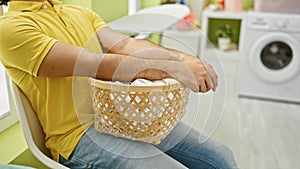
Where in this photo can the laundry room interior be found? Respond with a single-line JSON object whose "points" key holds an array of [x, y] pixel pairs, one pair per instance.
{"points": [[255, 110]]}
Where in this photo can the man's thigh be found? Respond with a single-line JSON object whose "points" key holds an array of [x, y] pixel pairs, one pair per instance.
{"points": [[184, 145], [96, 150]]}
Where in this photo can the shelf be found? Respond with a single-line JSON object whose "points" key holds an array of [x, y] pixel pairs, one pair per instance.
{"points": [[232, 55], [207, 49], [224, 14]]}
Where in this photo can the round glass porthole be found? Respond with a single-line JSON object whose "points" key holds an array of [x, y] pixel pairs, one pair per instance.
{"points": [[276, 55]]}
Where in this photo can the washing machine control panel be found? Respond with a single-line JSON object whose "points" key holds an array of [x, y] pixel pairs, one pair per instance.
{"points": [[268, 22], [281, 24]]}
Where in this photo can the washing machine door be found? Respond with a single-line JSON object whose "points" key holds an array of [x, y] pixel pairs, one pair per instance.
{"points": [[275, 58]]}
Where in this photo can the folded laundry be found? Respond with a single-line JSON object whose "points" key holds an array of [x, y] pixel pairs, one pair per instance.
{"points": [[146, 82]]}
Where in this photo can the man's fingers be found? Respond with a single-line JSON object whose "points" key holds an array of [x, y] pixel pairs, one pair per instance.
{"points": [[213, 76], [202, 86]]}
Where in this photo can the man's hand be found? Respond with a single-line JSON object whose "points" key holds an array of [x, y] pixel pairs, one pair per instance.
{"points": [[205, 77]]}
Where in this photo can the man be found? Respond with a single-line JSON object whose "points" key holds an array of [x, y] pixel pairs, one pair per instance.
{"points": [[50, 49]]}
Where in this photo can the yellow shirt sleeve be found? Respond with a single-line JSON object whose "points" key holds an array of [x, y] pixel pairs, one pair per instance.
{"points": [[25, 45], [97, 21]]}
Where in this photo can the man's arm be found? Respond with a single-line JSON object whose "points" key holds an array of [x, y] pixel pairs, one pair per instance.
{"points": [[69, 60], [115, 42]]}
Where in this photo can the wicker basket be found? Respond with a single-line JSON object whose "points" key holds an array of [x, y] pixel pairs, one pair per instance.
{"points": [[143, 113]]}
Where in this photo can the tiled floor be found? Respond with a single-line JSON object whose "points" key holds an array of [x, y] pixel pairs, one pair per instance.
{"points": [[262, 134]]}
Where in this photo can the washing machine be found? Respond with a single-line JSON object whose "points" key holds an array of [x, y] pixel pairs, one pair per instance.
{"points": [[270, 57]]}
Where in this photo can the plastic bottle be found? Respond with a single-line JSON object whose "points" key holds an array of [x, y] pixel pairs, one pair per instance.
{"points": [[235, 6]]}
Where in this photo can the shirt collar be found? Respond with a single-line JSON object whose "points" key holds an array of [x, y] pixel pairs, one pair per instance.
{"points": [[31, 6]]}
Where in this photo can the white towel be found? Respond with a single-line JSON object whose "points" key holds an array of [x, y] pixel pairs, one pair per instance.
{"points": [[145, 82]]}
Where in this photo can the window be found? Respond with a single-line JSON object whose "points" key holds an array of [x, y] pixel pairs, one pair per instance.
{"points": [[4, 103], [7, 116]]}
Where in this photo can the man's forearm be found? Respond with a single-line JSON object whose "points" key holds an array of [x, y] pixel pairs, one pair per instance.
{"points": [[145, 50], [118, 43], [126, 68]]}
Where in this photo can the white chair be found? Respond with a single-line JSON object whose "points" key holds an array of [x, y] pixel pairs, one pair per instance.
{"points": [[32, 129]]}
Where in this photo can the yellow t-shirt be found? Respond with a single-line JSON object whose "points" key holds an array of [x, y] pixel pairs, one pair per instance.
{"points": [[27, 33]]}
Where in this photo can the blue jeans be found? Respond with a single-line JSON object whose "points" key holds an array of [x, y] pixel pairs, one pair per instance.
{"points": [[180, 149]]}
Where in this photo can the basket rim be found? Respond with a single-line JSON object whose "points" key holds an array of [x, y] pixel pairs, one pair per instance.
{"points": [[127, 87]]}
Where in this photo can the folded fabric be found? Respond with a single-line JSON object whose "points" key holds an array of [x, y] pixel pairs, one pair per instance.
{"points": [[145, 82]]}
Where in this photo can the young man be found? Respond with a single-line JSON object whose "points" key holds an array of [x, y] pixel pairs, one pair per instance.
{"points": [[50, 49]]}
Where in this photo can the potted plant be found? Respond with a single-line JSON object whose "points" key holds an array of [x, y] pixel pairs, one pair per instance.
{"points": [[224, 34]]}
